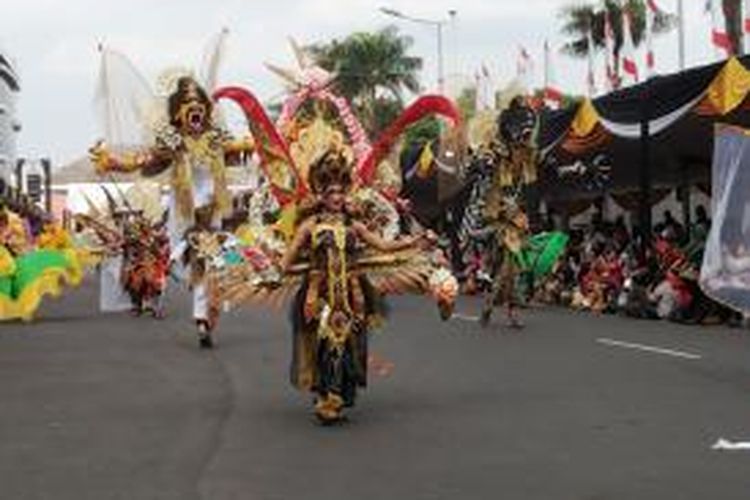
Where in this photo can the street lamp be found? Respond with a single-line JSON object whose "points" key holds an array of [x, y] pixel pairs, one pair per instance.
{"points": [[438, 25]]}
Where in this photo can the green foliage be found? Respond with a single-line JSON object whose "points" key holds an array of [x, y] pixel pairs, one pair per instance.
{"points": [[386, 110], [467, 103], [371, 66]]}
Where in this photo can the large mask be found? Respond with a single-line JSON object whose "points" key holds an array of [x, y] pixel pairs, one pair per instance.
{"points": [[190, 108], [517, 123]]}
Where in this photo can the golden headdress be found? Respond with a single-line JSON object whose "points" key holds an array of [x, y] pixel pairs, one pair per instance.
{"points": [[333, 168]]}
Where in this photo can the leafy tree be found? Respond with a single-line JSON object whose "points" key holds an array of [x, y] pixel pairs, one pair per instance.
{"points": [[371, 66], [467, 103]]}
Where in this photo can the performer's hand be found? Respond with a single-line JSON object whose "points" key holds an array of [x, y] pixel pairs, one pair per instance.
{"points": [[272, 284], [425, 240], [100, 158], [430, 236]]}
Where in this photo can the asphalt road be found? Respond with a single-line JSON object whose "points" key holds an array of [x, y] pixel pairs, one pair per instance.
{"points": [[573, 407]]}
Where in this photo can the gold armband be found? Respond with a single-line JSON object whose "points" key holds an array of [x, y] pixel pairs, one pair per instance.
{"points": [[246, 145]]}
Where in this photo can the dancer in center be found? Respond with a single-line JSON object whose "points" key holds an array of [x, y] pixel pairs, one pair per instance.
{"points": [[337, 302]]}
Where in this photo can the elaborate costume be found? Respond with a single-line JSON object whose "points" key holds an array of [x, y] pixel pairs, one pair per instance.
{"points": [[194, 150], [28, 274], [174, 135], [129, 241], [494, 224], [145, 251], [340, 269], [204, 250], [335, 263], [173, 130]]}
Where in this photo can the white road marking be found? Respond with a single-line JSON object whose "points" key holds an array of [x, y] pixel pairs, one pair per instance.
{"points": [[727, 445], [648, 348], [465, 317]]}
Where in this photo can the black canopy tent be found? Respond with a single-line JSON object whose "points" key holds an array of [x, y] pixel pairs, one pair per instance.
{"points": [[680, 109]]}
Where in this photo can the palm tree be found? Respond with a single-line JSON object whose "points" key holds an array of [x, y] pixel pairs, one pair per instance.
{"points": [[373, 70], [579, 19]]}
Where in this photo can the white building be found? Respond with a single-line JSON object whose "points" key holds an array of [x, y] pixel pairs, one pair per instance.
{"points": [[9, 124]]}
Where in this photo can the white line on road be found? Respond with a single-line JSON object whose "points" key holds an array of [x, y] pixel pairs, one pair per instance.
{"points": [[648, 348], [465, 317], [727, 445]]}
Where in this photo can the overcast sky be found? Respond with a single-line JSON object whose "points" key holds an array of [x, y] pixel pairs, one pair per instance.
{"points": [[53, 43]]}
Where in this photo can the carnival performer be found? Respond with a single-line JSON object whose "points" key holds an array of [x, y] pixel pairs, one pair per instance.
{"points": [[342, 269], [203, 249], [145, 250], [494, 224], [193, 148], [325, 180], [27, 273]]}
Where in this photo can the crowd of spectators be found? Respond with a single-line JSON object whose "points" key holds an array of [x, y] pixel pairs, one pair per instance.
{"points": [[608, 269]]}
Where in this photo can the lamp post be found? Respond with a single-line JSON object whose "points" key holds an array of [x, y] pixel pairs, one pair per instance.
{"points": [[681, 34], [438, 25]]}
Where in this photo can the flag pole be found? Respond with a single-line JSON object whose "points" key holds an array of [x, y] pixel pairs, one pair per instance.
{"points": [[681, 33]]}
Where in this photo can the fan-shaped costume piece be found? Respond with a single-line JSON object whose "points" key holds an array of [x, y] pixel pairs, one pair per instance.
{"points": [[28, 275]]}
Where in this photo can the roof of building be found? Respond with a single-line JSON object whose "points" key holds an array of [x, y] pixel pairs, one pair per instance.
{"points": [[8, 74]]}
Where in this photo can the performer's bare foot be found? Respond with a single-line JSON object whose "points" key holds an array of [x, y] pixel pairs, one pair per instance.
{"points": [[328, 409], [205, 341], [514, 321], [484, 317]]}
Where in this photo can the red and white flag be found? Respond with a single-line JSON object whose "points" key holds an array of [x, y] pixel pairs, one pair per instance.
{"points": [[609, 52], [553, 96], [652, 10], [719, 36], [629, 63]]}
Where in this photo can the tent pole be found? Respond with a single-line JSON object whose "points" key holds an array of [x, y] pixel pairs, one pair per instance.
{"points": [[645, 168], [47, 167], [685, 182]]}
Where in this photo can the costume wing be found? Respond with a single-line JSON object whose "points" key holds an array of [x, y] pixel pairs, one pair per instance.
{"points": [[421, 108], [278, 165], [396, 273], [244, 284], [213, 55], [125, 103]]}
